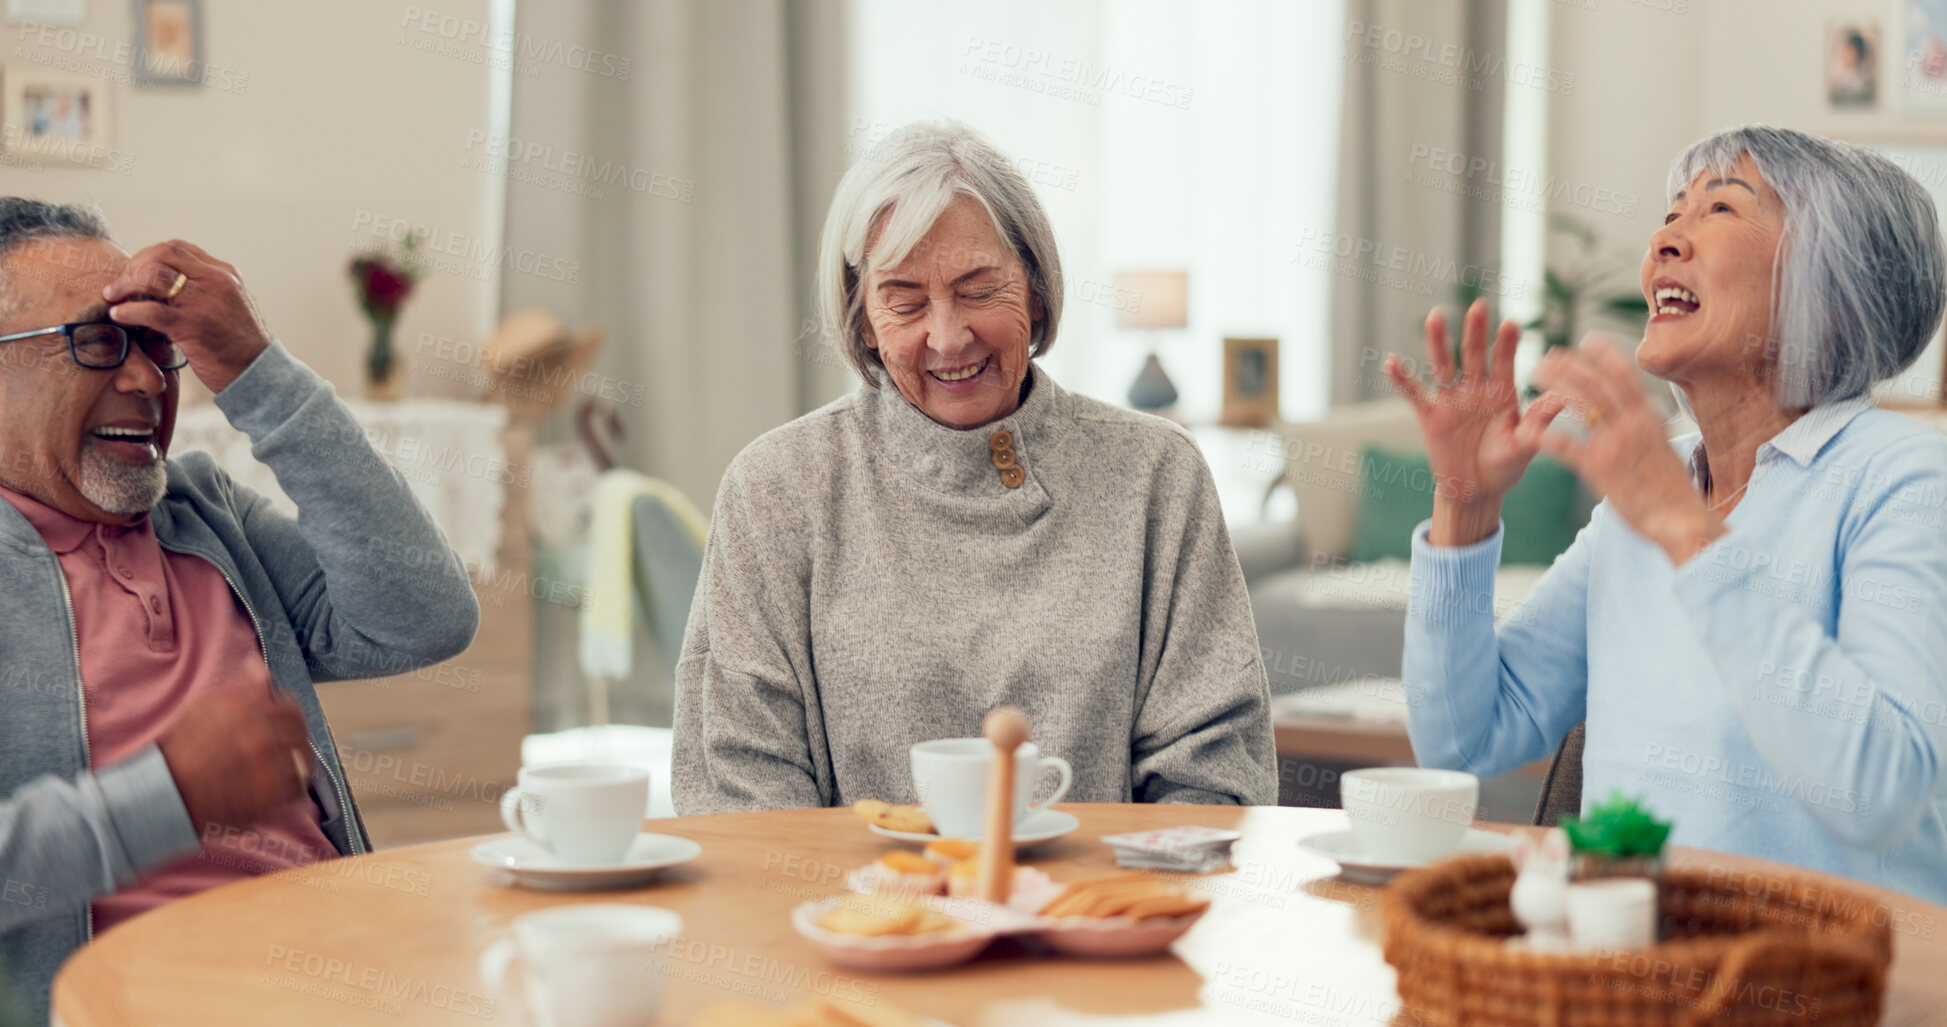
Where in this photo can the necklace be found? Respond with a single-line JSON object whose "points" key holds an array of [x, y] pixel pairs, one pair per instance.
{"points": [[1734, 495]]}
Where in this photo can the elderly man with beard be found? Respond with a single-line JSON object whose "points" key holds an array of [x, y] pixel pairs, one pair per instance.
{"points": [[161, 628]]}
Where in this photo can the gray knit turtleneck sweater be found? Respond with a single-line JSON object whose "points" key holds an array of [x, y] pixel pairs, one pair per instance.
{"points": [[870, 582]]}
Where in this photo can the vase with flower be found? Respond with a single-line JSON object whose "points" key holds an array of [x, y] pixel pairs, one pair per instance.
{"points": [[383, 280]]}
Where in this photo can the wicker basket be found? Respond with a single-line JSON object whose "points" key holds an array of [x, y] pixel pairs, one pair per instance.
{"points": [[1796, 952]]}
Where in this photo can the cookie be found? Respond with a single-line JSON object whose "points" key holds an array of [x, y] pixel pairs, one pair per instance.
{"points": [[906, 819], [952, 850], [875, 916], [1135, 894]]}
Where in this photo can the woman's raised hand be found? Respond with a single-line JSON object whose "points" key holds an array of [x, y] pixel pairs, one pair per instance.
{"points": [[1627, 458], [1470, 418]]}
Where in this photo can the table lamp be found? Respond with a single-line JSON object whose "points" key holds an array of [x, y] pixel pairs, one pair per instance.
{"points": [[1152, 301]]}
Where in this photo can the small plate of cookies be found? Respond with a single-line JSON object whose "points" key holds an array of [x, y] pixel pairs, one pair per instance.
{"points": [[909, 823], [1124, 914], [891, 931], [1116, 915]]}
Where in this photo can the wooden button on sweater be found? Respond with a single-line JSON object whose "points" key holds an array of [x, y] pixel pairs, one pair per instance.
{"points": [[1004, 459], [1012, 477], [1002, 439]]}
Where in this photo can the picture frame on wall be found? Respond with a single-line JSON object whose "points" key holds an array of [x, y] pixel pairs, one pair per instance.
{"points": [[168, 42], [1921, 74], [1250, 383], [1852, 65], [56, 117]]}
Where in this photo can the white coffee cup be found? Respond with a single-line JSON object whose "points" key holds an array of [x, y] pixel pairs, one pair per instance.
{"points": [[598, 965], [951, 777], [1409, 814], [1613, 913], [582, 813]]}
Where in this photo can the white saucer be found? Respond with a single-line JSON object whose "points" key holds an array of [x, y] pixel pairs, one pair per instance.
{"points": [[1040, 826], [1343, 848], [534, 867]]}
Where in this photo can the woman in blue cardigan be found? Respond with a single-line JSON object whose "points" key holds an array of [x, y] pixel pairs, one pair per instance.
{"points": [[1754, 623]]}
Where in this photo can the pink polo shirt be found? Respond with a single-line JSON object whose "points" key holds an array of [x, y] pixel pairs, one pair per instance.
{"points": [[160, 631]]}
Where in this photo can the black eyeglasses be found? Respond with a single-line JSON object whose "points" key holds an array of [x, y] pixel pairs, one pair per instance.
{"points": [[103, 345]]}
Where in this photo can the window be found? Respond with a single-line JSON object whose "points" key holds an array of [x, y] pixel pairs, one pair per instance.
{"points": [[1160, 135]]}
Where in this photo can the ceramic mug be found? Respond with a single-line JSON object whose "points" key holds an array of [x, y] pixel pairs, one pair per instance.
{"points": [[598, 965], [585, 814], [1409, 814], [950, 775]]}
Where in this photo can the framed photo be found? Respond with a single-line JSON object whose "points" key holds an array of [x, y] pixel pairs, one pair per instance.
{"points": [[168, 42], [1922, 70], [1852, 65], [1250, 383], [51, 116]]}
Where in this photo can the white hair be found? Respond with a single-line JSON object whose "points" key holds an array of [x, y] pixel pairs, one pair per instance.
{"points": [[1861, 277], [900, 189]]}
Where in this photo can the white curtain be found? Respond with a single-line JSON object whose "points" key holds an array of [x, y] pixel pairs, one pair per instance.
{"points": [[1423, 82], [715, 155]]}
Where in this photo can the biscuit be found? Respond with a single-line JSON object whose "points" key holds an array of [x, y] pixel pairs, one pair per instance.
{"points": [[906, 819], [952, 850], [1136, 894], [904, 862], [875, 916], [1166, 905]]}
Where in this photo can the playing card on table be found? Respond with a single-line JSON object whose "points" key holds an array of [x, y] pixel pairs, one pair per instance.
{"points": [[1134, 861], [1196, 849]]}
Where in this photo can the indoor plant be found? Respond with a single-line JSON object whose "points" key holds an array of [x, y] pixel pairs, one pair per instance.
{"points": [[1617, 838]]}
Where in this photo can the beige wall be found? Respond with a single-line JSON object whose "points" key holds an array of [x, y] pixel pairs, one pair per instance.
{"points": [[337, 121], [1635, 103]]}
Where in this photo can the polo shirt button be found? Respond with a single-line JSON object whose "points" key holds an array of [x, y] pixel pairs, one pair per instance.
{"points": [[1000, 440], [125, 572], [1012, 477], [1004, 459], [155, 604]]}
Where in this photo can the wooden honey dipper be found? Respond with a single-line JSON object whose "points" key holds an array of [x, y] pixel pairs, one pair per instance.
{"points": [[1007, 728]]}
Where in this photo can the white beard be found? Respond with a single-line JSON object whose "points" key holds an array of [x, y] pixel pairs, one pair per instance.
{"points": [[118, 486]]}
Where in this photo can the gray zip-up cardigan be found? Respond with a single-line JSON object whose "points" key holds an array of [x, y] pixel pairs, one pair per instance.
{"points": [[361, 584]]}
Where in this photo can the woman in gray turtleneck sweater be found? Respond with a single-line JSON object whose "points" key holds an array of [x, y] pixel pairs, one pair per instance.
{"points": [[887, 569]]}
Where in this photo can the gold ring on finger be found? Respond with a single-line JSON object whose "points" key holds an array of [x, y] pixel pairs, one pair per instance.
{"points": [[1595, 416], [176, 288]]}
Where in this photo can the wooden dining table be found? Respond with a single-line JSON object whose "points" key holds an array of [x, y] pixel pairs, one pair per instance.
{"points": [[396, 936]]}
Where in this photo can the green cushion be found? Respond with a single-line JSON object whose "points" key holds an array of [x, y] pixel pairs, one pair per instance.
{"points": [[1396, 494]]}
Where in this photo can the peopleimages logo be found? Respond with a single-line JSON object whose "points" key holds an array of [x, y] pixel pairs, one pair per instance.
{"points": [[1422, 56], [1034, 63], [467, 256], [524, 49], [511, 156], [1398, 266], [1523, 181], [60, 149]]}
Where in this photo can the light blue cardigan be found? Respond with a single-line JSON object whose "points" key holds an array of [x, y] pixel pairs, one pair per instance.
{"points": [[1781, 695]]}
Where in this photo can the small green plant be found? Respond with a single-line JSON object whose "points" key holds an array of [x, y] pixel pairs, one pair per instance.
{"points": [[1619, 827]]}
